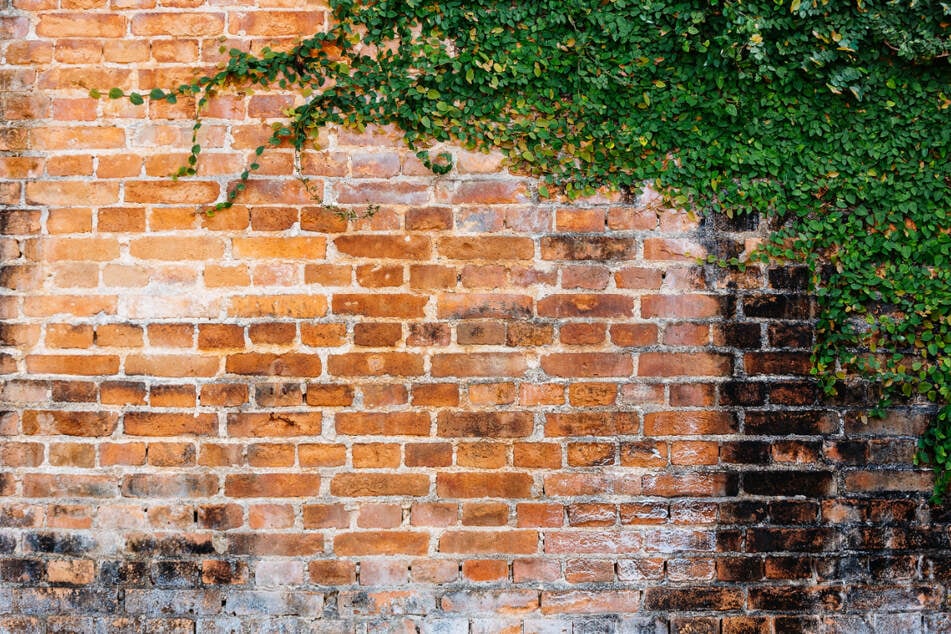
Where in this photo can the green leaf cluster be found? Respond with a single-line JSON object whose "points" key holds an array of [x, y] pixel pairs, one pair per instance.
{"points": [[831, 117]]}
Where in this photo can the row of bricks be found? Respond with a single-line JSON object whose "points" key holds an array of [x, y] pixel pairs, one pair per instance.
{"points": [[89, 22], [453, 424], [364, 455], [850, 546], [913, 622], [866, 519], [471, 332], [794, 598], [91, 275], [399, 571], [411, 364], [413, 247], [429, 219], [474, 484], [814, 551]]}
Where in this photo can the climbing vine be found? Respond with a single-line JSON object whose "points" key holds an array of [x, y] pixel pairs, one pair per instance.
{"points": [[831, 116]]}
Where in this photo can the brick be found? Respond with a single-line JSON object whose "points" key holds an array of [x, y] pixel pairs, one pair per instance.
{"points": [[169, 486], [591, 424], [322, 335], [274, 23], [277, 306], [481, 455], [683, 364], [172, 365], [400, 247], [156, 424], [271, 485], [385, 424], [478, 364], [377, 276], [178, 23], [285, 248], [171, 192], [681, 306], [381, 305], [483, 306], [482, 570], [493, 248], [522, 542], [279, 424], [689, 423], [428, 455], [288, 364], [587, 364], [375, 364], [474, 484], [381, 543], [89, 364], [590, 602], [332, 572], [375, 455], [587, 305], [176, 248], [484, 424], [371, 484], [89, 424], [600, 248]]}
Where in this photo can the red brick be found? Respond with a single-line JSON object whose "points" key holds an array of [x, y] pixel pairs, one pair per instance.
{"points": [[381, 543], [683, 364], [375, 455], [372, 484], [484, 424], [288, 364], [590, 602], [587, 364], [479, 364], [400, 247], [586, 306], [277, 306], [689, 423], [428, 455], [379, 305], [493, 248], [89, 364], [681, 306], [482, 305], [156, 424], [285, 248], [280, 424], [322, 455], [271, 23], [482, 485], [522, 542], [268, 485], [375, 364], [178, 23], [388, 424]]}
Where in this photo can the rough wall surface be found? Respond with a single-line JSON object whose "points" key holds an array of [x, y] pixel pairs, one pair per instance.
{"points": [[473, 412]]}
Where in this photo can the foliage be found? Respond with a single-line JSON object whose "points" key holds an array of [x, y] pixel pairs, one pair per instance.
{"points": [[830, 116]]}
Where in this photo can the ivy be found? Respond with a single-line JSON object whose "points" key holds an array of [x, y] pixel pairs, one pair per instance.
{"points": [[831, 117]]}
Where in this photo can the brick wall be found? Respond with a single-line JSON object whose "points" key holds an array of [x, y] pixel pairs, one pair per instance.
{"points": [[473, 412]]}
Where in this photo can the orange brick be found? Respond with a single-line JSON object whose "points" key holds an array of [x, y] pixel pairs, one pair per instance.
{"points": [[276, 306], [155, 424], [90, 364], [176, 248], [69, 335], [280, 248], [178, 23], [270, 23], [62, 25]]}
